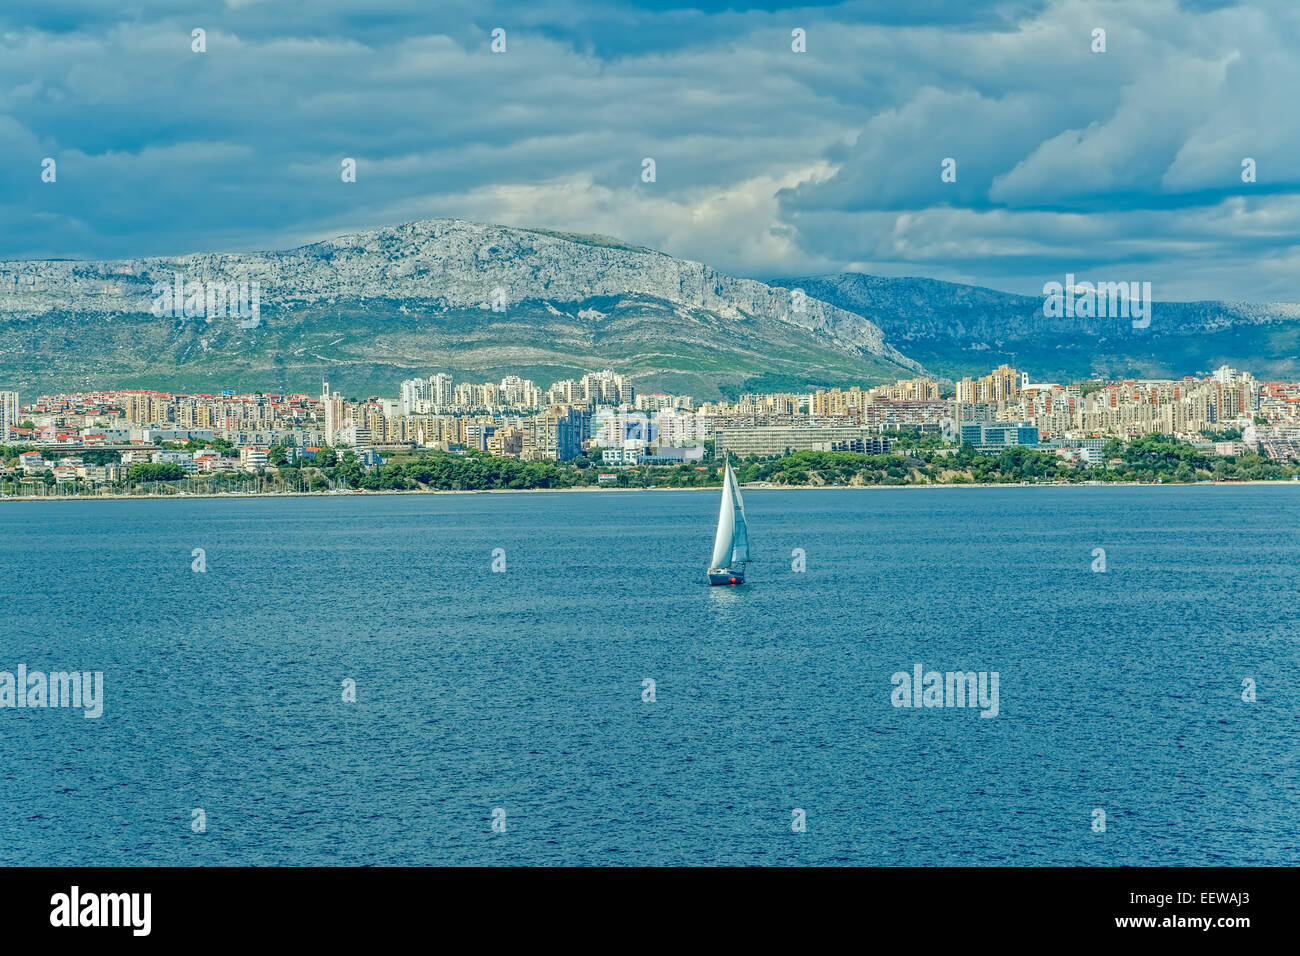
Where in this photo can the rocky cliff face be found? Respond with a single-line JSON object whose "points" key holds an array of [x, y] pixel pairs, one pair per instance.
{"points": [[448, 266], [369, 309], [957, 329], [916, 309]]}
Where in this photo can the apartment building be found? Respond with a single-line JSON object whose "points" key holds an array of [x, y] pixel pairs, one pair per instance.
{"points": [[8, 413]]}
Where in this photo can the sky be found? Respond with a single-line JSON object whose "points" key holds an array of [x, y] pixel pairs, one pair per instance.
{"points": [[1122, 165]]}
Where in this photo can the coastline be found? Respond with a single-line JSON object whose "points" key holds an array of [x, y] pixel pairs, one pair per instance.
{"points": [[758, 486]]}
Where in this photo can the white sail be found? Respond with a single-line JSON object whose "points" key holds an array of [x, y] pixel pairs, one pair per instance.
{"points": [[723, 543], [740, 535]]}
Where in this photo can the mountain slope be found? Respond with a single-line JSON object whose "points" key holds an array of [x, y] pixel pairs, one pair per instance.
{"points": [[957, 330], [370, 309]]}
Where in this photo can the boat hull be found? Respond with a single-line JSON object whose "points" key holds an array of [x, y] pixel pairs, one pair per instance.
{"points": [[726, 577]]}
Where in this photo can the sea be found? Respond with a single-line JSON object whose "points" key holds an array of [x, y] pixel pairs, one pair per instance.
{"points": [[547, 678]]}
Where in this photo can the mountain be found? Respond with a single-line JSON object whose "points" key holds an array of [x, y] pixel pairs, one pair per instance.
{"points": [[370, 309], [957, 330]]}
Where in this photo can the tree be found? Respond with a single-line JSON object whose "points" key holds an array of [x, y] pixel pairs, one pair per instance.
{"points": [[160, 471]]}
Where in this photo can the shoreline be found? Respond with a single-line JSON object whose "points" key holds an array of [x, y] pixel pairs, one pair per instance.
{"points": [[761, 486]]}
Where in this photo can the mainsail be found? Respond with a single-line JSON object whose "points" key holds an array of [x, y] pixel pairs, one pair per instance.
{"points": [[731, 545], [740, 538], [726, 525]]}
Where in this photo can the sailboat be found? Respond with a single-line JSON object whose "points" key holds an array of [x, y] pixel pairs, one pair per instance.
{"points": [[731, 545]]}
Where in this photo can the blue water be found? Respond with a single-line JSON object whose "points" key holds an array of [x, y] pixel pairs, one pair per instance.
{"points": [[522, 690]]}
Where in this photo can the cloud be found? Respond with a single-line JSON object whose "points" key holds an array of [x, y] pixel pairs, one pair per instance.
{"points": [[768, 162], [1128, 160]]}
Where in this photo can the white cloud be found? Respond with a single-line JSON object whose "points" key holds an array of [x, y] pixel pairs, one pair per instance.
{"points": [[769, 162]]}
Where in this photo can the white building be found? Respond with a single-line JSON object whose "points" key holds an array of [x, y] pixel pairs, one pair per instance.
{"points": [[683, 427], [611, 426], [183, 458], [32, 463], [8, 413], [252, 458], [441, 385], [417, 396], [334, 413], [520, 392]]}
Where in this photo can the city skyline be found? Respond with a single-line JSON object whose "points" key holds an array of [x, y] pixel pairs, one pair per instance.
{"points": [[516, 418]]}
